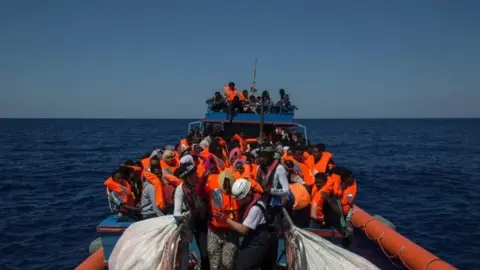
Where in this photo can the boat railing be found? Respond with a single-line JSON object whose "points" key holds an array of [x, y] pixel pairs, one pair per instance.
{"points": [[268, 109], [298, 242], [173, 249]]}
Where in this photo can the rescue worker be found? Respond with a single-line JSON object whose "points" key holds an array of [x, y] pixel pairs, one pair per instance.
{"points": [[186, 198], [259, 247], [153, 201], [120, 197], [222, 242]]}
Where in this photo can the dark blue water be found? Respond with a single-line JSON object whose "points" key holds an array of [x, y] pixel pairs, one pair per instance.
{"points": [[423, 175]]}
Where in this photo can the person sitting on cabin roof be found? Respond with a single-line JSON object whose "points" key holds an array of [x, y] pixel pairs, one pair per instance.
{"points": [[218, 102], [253, 104], [284, 103], [230, 91]]}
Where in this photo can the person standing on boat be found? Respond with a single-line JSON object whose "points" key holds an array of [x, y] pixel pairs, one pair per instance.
{"points": [[259, 247], [222, 242], [185, 198], [120, 197]]}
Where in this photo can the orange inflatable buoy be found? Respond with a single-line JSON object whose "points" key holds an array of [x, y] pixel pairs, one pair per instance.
{"points": [[395, 245], [94, 262]]}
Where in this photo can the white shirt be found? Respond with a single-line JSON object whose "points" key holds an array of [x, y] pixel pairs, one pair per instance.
{"points": [[255, 217]]}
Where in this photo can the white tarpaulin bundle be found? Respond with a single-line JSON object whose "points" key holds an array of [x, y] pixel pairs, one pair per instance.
{"points": [[144, 245], [323, 254]]}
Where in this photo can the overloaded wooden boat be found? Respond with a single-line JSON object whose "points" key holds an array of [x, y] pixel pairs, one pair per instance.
{"points": [[374, 238]]}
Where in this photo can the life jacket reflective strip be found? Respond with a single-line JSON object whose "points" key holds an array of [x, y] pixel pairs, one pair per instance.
{"points": [[322, 164], [124, 190], [300, 193], [348, 197], [158, 187]]}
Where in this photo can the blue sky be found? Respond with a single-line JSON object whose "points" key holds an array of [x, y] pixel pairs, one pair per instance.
{"points": [[162, 59]]}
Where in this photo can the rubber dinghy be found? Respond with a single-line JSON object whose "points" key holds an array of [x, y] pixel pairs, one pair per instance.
{"points": [[155, 244]]}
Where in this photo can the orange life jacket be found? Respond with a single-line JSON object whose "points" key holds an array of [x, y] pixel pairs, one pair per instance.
{"points": [[348, 197], [167, 168], [229, 94], [254, 184], [334, 184], [242, 144], [242, 97], [306, 173], [220, 202], [300, 193], [124, 190], [158, 186], [183, 145], [322, 164], [316, 205], [146, 163]]}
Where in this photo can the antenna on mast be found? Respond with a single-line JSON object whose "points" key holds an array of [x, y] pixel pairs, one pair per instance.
{"points": [[262, 113], [253, 89]]}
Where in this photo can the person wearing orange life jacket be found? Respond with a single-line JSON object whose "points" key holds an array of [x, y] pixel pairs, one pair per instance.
{"points": [[259, 247], [321, 160], [240, 139], [221, 241], [120, 197], [146, 161], [239, 172], [305, 170], [214, 158], [244, 96], [230, 91], [319, 191], [348, 186], [153, 202]]}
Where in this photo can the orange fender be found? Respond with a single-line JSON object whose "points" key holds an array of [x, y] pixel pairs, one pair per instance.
{"points": [[395, 245], [93, 262]]}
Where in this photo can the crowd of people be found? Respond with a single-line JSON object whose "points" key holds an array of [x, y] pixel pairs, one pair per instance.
{"points": [[227, 188], [241, 102]]}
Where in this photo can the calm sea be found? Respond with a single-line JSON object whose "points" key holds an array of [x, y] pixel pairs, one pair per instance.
{"points": [[423, 175]]}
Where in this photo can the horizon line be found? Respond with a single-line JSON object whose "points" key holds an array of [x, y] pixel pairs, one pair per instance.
{"points": [[193, 118]]}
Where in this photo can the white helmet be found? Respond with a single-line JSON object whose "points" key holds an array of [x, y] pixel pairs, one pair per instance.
{"points": [[240, 188]]}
